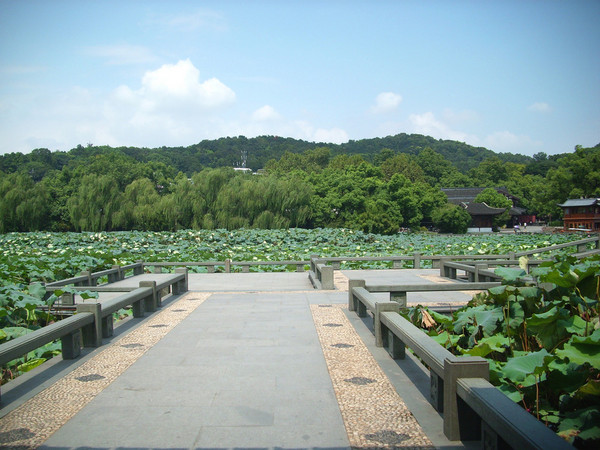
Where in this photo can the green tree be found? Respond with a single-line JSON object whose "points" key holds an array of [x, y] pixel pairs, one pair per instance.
{"points": [[493, 198], [93, 206], [139, 208], [23, 204], [451, 218], [438, 171], [402, 164]]}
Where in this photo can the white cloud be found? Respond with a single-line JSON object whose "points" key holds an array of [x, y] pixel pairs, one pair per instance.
{"points": [[171, 106], [540, 107], [200, 19], [180, 83], [122, 54], [332, 135], [427, 124], [265, 113], [21, 70], [499, 141], [386, 102], [460, 117], [298, 129], [505, 141]]}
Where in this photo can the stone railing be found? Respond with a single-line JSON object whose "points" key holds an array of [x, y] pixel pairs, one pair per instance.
{"points": [[398, 293], [321, 275], [93, 321], [227, 265], [116, 273], [472, 408]]}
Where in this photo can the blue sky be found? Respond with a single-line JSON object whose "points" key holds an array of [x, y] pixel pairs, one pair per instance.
{"points": [[512, 76]]}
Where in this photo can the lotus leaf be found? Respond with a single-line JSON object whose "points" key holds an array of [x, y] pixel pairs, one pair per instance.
{"points": [[509, 273], [488, 320], [584, 423], [547, 327], [519, 368], [31, 364], [446, 339], [582, 350], [485, 346]]}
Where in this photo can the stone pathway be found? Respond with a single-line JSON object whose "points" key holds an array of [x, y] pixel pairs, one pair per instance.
{"points": [[28, 426], [374, 414], [253, 355]]}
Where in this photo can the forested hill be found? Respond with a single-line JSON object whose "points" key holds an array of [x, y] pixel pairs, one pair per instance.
{"points": [[374, 185], [229, 151]]}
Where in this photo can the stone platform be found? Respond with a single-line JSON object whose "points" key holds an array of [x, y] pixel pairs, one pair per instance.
{"points": [[249, 360]]}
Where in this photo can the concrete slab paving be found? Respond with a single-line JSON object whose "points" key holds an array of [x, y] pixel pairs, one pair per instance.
{"points": [[249, 282], [413, 276], [245, 369], [234, 374]]}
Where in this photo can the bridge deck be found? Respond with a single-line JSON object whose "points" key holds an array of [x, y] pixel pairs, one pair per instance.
{"points": [[240, 361]]}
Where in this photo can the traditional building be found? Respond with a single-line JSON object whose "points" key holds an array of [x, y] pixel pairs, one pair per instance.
{"points": [[466, 196], [482, 216], [581, 214]]}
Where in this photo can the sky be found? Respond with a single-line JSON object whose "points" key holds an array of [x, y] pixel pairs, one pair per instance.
{"points": [[513, 76]]}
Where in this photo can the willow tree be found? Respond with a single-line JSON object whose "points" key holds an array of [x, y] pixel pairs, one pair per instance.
{"points": [[23, 204], [95, 202]]}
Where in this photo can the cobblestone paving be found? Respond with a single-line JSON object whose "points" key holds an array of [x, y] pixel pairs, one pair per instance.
{"points": [[374, 414], [36, 420]]}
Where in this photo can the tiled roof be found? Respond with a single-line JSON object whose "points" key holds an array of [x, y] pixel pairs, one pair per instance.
{"points": [[466, 195], [481, 209], [580, 202], [460, 195]]}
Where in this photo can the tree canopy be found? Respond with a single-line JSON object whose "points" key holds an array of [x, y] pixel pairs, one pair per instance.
{"points": [[377, 185]]}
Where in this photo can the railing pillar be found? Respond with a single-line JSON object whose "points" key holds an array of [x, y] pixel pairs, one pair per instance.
{"points": [[92, 333], [228, 266], [478, 267], [139, 269], [313, 263], [393, 344], [139, 307], [157, 269], [154, 302], [400, 297], [181, 286], [326, 276], [90, 281], [454, 368], [443, 268], [352, 302], [114, 277], [436, 391], [417, 261], [108, 326], [71, 345], [67, 299], [379, 308]]}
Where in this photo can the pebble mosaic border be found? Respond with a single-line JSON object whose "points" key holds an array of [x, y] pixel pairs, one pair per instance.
{"points": [[31, 424], [374, 414]]}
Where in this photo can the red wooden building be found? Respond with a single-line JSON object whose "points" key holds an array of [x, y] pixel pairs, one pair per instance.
{"points": [[581, 214]]}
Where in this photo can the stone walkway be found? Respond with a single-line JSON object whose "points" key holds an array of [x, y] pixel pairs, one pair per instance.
{"points": [[277, 369]]}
